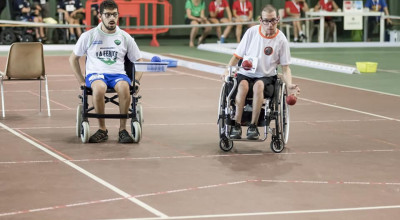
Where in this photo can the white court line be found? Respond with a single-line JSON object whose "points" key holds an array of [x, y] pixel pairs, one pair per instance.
{"points": [[86, 173], [353, 110], [272, 213]]}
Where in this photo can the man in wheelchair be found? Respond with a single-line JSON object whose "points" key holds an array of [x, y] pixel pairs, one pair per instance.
{"points": [[266, 47], [105, 47]]}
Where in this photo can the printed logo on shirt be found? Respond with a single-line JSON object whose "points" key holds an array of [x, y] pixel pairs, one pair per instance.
{"points": [[268, 51], [108, 57], [97, 42], [117, 42]]}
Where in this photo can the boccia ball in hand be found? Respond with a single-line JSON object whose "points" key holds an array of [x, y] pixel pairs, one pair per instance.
{"points": [[156, 59], [247, 65], [291, 99]]}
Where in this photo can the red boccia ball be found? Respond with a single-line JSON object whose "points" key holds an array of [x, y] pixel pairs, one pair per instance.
{"points": [[247, 65], [291, 100]]}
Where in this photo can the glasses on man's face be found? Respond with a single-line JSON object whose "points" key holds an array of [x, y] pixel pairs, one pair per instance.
{"points": [[272, 21], [108, 15]]}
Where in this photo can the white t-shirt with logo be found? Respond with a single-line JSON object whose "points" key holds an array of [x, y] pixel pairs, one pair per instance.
{"points": [[106, 52], [269, 51]]}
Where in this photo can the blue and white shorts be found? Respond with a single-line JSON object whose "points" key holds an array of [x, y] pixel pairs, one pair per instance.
{"points": [[109, 79]]}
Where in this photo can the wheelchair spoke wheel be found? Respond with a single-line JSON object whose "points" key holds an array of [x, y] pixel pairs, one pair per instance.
{"points": [[136, 131], [85, 132], [277, 145], [8, 36], [284, 116], [222, 111], [225, 144], [139, 113], [79, 120]]}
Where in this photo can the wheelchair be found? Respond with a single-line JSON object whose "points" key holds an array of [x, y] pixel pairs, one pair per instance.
{"points": [[274, 109], [135, 113]]}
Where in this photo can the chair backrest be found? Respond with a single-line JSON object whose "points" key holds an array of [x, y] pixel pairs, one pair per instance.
{"points": [[25, 61]]}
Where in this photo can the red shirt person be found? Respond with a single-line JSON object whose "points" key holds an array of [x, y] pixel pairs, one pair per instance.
{"points": [[242, 12], [217, 9]]}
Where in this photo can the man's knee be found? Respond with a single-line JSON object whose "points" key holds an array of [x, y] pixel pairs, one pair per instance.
{"points": [[258, 87]]}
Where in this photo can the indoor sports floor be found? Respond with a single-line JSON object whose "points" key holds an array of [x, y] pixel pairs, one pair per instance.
{"points": [[341, 161]]}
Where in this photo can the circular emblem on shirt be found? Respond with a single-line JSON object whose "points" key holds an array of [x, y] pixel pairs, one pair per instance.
{"points": [[117, 42], [268, 51]]}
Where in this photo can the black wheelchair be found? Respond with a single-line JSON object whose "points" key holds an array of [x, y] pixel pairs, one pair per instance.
{"points": [[135, 111], [274, 109]]}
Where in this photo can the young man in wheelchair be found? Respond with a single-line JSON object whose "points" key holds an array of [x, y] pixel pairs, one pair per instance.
{"points": [[267, 47], [105, 47]]}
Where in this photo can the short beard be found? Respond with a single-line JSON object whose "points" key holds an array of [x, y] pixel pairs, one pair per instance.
{"points": [[108, 27]]}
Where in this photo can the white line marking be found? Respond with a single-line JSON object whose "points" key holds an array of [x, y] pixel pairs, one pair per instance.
{"points": [[88, 174], [272, 213], [352, 110]]}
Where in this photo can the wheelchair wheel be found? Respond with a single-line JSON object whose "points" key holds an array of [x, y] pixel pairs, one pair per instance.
{"points": [[283, 116], [85, 132], [139, 113], [277, 145], [136, 131], [8, 37], [27, 38], [79, 120], [225, 144], [221, 112]]}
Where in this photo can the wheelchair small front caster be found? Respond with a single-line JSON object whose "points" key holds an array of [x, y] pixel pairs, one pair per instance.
{"points": [[277, 145], [225, 144], [85, 132]]}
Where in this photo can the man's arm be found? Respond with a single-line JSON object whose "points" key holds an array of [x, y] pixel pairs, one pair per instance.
{"points": [[287, 78], [76, 68]]}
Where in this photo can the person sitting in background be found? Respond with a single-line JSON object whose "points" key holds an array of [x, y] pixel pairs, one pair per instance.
{"points": [[216, 9], [242, 12], [293, 9], [330, 25], [195, 15], [377, 6], [73, 13], [22, 12]]}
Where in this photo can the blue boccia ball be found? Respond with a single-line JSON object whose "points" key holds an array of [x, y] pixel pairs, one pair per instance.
{"points": [[156, 59]]}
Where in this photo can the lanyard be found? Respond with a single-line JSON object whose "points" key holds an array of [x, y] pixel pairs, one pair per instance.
{"points": [[243, 7], [296, 5]]}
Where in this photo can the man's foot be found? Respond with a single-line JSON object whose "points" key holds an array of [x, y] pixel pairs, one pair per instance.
{"points": [[124, 137], [236, 131], [252, 132], [99, 136]]}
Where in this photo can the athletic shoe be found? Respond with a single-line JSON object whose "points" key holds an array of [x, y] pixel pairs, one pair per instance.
{"points": [[236, 131], [124, 137], [252, 132], [99, 136]]}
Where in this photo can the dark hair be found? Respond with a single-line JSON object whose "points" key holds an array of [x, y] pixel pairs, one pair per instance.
{"points": [[108, 4], [268, 9]]}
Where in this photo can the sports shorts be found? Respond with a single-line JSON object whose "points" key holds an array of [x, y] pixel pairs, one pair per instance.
{"points": [[269, 83], [109, 79]]}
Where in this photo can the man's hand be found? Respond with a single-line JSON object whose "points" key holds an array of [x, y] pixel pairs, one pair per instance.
{"points": [[293, 89], [224, 75]]}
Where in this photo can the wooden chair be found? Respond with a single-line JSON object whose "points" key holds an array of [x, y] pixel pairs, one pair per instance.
{"points": [[25, 62]]}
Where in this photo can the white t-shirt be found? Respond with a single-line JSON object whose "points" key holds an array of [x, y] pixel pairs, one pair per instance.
{"points": [[106, 52], [269, 51]]}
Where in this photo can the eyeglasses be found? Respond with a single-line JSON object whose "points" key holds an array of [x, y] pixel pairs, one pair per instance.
{"points": [[108, 15], [272, 21]]}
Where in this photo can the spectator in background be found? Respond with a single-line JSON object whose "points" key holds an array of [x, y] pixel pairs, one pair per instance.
{"points": [[327, 5], [72, 12], [195, 15], [293, 9], [377, 6], [217, 10], [22, 12], [242, 12]]}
